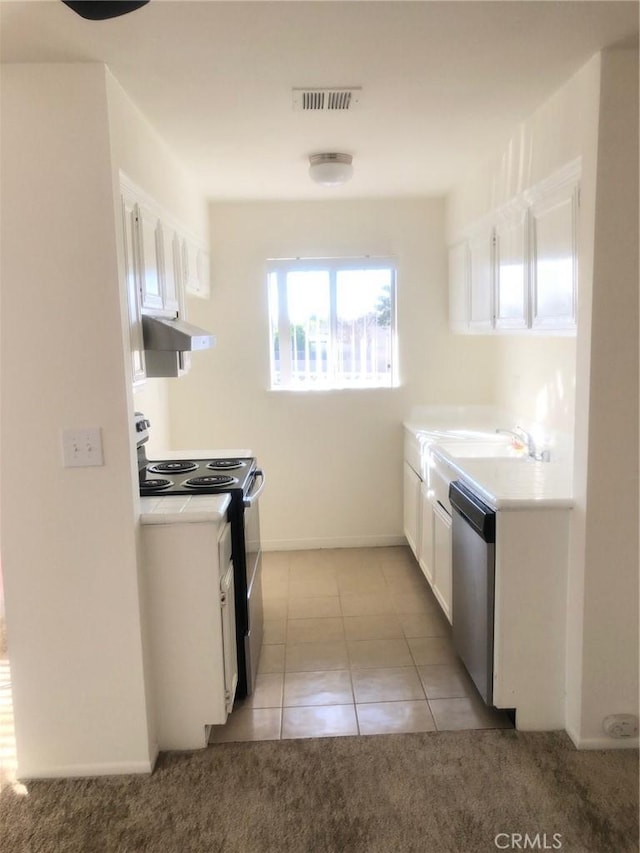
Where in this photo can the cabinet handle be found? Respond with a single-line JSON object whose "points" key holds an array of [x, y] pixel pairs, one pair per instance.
{"points": [[223, 598]]}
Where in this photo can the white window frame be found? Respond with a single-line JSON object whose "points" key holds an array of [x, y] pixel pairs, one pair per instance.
{"points": [[280, 267]]}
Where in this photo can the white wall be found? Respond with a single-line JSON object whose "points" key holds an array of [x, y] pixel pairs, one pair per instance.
{"points": [[604, 564], [140, 152], [535, 379], [68, 543], [333, 460], [588, 384]]}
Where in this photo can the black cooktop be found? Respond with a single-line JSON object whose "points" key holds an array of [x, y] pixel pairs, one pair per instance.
{"points": [[195, 476]]}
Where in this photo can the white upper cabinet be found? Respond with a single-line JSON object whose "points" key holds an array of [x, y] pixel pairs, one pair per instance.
{"points": [[132, 281], [481, 271], [512, 269], [195, 268], [158, 269], [170, 269], [459, 287], [170, 260], [150, 253], [516, 271], [204, 286], [553, 267]]}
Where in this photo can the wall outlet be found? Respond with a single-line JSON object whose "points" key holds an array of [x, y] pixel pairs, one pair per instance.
{"points": [[82, 447], [621, 725]]}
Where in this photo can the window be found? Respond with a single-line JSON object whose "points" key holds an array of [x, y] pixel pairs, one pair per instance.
{"points": [[332, 323]]}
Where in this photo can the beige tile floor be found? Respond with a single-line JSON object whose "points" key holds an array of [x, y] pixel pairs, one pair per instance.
{"points": [[354, 643]]}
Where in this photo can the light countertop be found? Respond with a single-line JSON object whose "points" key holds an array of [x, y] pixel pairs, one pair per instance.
{"points": [[504, 483], [183, 509], [513, 483]]}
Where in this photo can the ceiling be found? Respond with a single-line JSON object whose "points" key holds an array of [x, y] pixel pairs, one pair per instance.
{"points": [[443, 83]]}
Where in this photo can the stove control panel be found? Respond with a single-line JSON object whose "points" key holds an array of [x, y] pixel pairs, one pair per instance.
{"points": [[141, 428]]}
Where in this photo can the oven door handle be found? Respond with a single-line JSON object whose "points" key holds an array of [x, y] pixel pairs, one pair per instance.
{"points": [[255, 494]]}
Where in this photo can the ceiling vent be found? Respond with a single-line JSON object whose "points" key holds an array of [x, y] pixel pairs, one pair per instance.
{"points": [[338, 99]]}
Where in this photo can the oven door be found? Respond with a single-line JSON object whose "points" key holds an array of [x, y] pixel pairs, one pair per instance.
{"points": [[253, 553]]}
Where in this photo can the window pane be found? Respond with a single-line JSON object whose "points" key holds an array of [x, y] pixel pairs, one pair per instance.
{"points": [[364, 326], [274, 309], [308, 300], [332, 323]]}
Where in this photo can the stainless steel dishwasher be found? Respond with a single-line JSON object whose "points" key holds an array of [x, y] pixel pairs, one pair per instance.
{"points": [[473, 580]]}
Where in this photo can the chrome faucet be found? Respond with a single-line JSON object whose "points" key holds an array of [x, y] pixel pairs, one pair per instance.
{"points": [[527, 440]]}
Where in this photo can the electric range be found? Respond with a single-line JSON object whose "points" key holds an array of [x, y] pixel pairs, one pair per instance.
{"points": [[244, 481]]}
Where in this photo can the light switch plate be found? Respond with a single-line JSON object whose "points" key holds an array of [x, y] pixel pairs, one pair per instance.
{"points": [[82, 447]]}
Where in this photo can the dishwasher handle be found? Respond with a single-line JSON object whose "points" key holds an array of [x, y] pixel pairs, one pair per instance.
{"points": [[476, 513]]}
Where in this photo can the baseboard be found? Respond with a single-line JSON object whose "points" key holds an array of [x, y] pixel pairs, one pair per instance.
{"points": [[333, 542], [602, 742], [76, 771]]}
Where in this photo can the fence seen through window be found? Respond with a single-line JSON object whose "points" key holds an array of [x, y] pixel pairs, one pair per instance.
{"points": [[332, 323]]}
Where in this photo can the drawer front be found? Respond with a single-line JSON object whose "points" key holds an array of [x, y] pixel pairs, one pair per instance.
{"points": [[412, 452], [439, 483]]}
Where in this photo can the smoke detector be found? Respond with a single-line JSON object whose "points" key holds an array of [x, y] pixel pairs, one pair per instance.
{"points": [[336, 99]]}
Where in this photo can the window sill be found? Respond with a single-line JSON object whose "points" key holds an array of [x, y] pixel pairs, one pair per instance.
{"points": [[326, 389]]}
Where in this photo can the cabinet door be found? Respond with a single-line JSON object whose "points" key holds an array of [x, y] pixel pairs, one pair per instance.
{"points": [[512, 273], [195, 268], [169, 275], [442, 559], [459, 287], [411, 508], [227, 605], [426, 535], [554, 280], [481, 280], [132, 283], [204, 285], [190, 265], [149, 242]]}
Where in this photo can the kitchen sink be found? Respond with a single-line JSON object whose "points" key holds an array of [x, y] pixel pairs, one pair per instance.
{"points": [[475, 435], [482, 450]]}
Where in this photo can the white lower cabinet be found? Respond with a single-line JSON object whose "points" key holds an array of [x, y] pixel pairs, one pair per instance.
{"points": [[435, 549], [426, 535], [190, 629], [442, 546], [411, 505]]}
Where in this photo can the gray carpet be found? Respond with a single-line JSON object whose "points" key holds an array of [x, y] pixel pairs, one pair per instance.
{"points": [[428, 793]]}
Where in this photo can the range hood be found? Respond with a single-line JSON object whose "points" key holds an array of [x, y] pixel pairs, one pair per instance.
{"points": [[171, 334]]}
